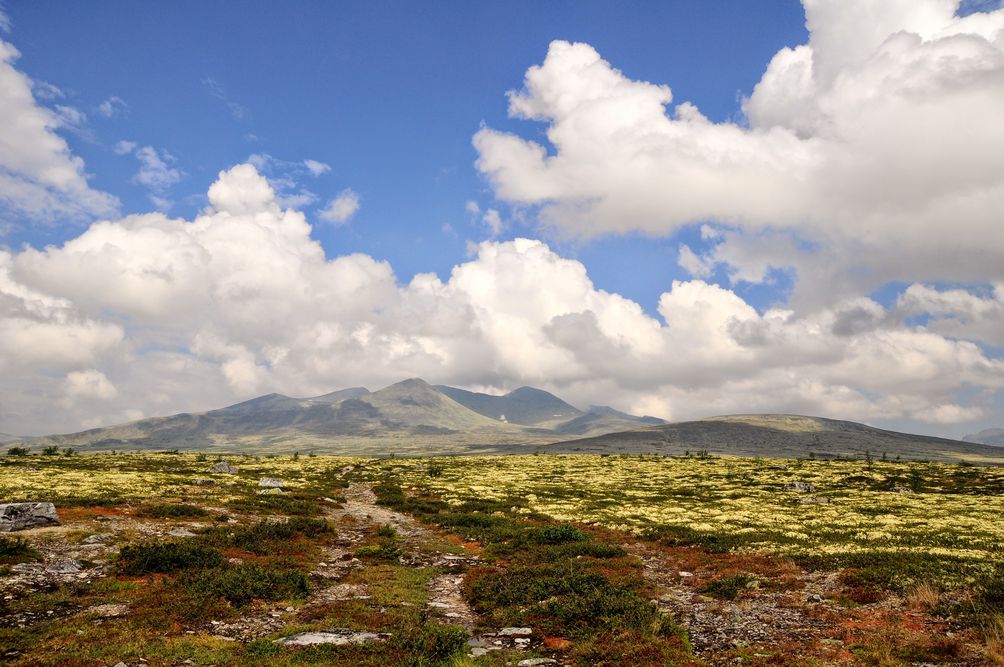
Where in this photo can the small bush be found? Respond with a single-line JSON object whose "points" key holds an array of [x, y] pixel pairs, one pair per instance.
{"points": [[173, 511], [241, 584], [51, 450], [387, 550], [17, 451], [149, 557], [386, 531], [17, 550], [436, 643], [726, 588], [560, 534], [262, 537]]}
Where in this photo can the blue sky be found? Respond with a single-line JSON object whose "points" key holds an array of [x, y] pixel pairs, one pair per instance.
{"points": [[676, 208], [387, 94]]}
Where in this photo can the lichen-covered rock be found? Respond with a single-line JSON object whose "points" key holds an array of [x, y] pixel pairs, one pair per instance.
{"points": [[19, 516], [223, 468], [271, 483], [800, 487]]}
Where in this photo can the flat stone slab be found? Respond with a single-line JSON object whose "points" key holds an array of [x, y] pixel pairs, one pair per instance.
{"points": [[337, 636], [515, 632], [19, 516], [534, 662]]}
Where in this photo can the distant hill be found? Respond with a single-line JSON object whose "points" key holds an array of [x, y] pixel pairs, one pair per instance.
{"points": [[781, 436], [989, 436], [6, 438], [407, 417]]}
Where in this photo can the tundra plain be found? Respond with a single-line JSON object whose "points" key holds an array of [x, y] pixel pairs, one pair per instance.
{"points": [[533, 560]]}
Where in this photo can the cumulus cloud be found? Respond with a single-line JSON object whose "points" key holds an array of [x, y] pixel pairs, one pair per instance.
{"points": [[40, 179], [340, 209], [151, 315], [878, 140]]}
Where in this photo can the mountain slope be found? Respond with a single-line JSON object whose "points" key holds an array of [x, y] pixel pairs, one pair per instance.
{"points": [[788, 436], [526, 405], [989, 436]]}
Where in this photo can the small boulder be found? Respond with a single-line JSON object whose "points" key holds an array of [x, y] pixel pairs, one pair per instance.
{"points": [[900, 489], [534, 662], [203, 481], [270, 492], [65, 567], [223, 468], [515, 632], [271, 483], [100, 538], [19, 516], [181, 532], [800, 487]]}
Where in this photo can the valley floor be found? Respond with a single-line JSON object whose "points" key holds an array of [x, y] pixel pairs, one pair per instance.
{"points": [[529, 560]]}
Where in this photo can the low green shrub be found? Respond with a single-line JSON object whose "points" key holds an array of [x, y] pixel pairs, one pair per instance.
{"points": [[17, 550], [150, 557], [727, 588], [241, 584], [172, 511]]}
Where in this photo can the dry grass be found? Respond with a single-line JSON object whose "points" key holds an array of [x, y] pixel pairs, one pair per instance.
{"points": [[993, 637], [925, 596]]}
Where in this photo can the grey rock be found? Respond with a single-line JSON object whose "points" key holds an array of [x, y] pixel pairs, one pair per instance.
{"points": [[224, 468], [203, 481], [271, 483], [900, 489], [801, 487], [64, 567], [100, 538], [181, 532], [18, 516], [108, 610], [515, 632], [534, 662], [337, 636], [478, 651], [270, 492], [120, 664]]}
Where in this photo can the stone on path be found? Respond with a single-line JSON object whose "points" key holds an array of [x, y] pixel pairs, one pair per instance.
{"points": [[337, 636], [515, 632], [19, 516]]}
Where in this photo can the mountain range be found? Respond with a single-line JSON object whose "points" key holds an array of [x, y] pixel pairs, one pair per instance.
{"points": [[412, 418], [412, 413]]}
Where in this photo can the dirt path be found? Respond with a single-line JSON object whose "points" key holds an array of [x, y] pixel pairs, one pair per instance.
{"points": [[359, 515]]}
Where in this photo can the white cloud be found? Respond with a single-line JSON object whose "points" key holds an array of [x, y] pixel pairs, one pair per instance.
{"points": [[316, 168], [155, 170], [70, 116], [124, 147], [879, 141], [340, 209], [88, 384], [493, 220], [189, 314], [40, 179], [112, 107], [5, 23]]}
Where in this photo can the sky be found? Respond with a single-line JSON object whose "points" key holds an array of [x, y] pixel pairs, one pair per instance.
{"points": [[678, 208]]}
